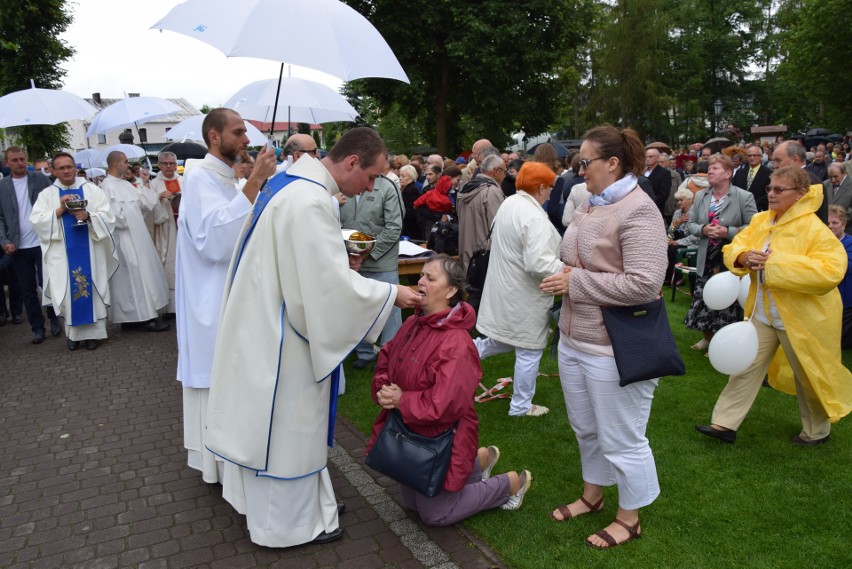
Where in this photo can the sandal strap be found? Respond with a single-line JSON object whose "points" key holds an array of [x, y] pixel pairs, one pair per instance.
{"points": [[604, 535], [592, 507], [630, 529]]}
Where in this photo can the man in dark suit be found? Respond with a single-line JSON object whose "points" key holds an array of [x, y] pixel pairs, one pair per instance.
{"points": [[838, 190], [18, 193], [661, 180], [792, 153], [754, 177]]}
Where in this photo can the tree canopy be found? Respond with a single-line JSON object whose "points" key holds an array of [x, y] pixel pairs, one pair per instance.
{"points": [[30, 49]]}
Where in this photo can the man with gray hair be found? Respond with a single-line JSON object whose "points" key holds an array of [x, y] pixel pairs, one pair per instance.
{"points": [[478, 201], [792, 153], [167, 187]]}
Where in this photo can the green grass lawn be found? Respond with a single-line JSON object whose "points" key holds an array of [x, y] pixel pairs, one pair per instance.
{"points": [[761, 503]]}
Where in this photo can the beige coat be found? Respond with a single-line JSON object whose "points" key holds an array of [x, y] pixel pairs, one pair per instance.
{"points": [[477, 205]]}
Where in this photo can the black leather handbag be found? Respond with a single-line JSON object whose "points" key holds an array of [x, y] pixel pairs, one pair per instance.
{"points": [[477, 267], [642, 342], [414, 460]]}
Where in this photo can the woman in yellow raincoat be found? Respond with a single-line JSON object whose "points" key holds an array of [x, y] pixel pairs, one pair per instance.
{"points": [[794, 263]]}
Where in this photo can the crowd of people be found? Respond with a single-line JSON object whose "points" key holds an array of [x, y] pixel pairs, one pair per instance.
{"points": [[249, 256]]}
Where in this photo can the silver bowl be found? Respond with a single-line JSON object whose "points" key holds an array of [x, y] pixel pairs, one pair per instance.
{"points": [[76, 204], [357, 247]]}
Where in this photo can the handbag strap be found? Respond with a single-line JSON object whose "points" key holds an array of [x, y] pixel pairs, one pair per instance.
{"points": [[487, 238]]}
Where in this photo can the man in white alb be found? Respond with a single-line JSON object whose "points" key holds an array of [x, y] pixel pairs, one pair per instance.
{"points": [[139, 287], [166, 186], [212, 213], [300, 310]]}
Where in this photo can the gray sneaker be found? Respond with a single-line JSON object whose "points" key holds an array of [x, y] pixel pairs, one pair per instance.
{"points": [[515, 500], [494, 453]]}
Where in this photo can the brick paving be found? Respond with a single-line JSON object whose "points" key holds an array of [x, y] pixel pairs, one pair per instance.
{"points": [[93, 475]]}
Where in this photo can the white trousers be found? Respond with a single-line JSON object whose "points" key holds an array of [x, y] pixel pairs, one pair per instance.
{"points": [[610, 423], [526, 371]]}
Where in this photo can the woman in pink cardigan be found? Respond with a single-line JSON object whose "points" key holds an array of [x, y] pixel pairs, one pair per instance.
{"points": [[615, 255]]}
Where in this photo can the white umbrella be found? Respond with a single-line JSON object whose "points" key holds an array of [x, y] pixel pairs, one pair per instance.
{"points": [[299, 99], [131, 111], [89, 158], [42, 106], [130, 150], [350, 48], [326, 35], [190, 129]]}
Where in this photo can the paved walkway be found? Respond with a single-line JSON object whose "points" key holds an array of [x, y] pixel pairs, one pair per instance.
{"points": [[93, 474]]}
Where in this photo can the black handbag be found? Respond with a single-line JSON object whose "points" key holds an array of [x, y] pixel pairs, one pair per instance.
{"points": [[414, 460], [477, 267], [642, 342]]}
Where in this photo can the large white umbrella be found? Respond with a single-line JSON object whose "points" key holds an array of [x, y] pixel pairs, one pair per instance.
{"points": [[89, 158], [298, 99], [130, 150], [190, 129], [326, 35], [42, 106], [131, 111]]}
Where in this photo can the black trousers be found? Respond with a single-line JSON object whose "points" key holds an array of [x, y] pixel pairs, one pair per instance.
{"points": [[28, 267], [846, 334], [7, 277]]}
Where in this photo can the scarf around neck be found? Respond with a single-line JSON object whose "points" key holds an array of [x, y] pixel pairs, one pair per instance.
{"points": [[614, 192]]}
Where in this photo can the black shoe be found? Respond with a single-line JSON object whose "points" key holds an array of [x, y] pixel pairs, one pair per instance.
{"points": [[3, 318], [798, 440], [361, 364], [91, 344], [326, 537], [38, 336], [724, 436], [17, 319], [157, 325], [341, 507], [72, 344], [55, 327]]}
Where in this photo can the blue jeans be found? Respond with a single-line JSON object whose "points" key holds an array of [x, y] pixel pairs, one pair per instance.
{"points": [[366, 350]]}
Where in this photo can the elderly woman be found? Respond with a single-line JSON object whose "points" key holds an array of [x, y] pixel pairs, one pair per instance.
{"points": [[524, 250], [717, 215], [410, 193], [429, 372], [837, 223], [795, 264], [615, 255], [676, 234]]}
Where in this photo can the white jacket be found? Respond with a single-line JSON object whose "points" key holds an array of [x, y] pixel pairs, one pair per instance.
{"points": [[524, 250]]}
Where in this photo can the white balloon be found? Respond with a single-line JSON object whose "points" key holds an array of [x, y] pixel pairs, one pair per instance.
{"points": [[745, 282], [721, 290], [733, 348]]}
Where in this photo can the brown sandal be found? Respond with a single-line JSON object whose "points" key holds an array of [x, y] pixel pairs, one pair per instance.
{"points": [[604, 535], [566, 513]]}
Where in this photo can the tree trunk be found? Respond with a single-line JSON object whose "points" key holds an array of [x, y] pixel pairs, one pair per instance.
{"points": [[441, 111]]}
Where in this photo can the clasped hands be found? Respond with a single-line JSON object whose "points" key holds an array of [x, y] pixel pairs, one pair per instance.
{"points": [[556, 284], [388, 396], [754, 260]]}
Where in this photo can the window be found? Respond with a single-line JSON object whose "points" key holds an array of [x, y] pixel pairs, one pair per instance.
{"points": [[102, 139], [143, 135]]}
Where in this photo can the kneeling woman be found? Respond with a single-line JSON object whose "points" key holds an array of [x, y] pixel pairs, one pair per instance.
{"points": [[429, 372]]}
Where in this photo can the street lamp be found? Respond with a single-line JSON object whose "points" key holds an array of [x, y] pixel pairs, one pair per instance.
{"points": [[717, 107]]}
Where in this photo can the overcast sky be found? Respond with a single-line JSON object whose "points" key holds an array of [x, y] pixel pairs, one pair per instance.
{"points": [[118, 53]]}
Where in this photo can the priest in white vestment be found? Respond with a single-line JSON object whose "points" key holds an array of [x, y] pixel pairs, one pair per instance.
{"points": [[293, 309], [212, 213], [166, 186], [139, 287], [77, 251]]}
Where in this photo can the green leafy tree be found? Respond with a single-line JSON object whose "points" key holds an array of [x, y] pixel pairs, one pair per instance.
{"points": [[30, 49], [478, 68]]}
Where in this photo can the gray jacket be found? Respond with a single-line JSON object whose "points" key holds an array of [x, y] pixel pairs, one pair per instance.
{"points": [[378, 213], [10, 230], [735, 214]]}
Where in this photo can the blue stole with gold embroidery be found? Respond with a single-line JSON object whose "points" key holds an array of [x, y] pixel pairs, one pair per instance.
{"points": [[79, 264]]}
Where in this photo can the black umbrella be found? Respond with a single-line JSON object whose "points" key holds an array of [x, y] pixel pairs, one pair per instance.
{"points": [[561, 151], [186, 150], [717, 144], [814, 140], [817, 132]]}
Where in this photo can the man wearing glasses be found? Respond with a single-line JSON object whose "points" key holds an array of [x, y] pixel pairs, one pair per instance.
{"points": [[755, 177], [297, 146], [167, 186], [477, 205]]}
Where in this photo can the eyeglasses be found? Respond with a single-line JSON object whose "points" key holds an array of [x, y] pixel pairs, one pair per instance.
{"points": [[584, 163], [311, 152], [167, 163], [500, 170], [755, 155], [777, 189]]}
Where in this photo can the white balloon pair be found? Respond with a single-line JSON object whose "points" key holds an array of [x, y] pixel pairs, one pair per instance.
{"points": [[733, 348]]}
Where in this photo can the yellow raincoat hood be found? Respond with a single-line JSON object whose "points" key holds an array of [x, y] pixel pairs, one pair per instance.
{"points": [[806, 264]]}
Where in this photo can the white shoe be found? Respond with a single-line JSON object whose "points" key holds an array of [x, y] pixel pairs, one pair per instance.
{"points": [[516, 499], [702, 345], [537, 411], [494, 453]]}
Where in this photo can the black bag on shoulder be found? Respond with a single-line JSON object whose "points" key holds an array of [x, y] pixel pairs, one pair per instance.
{"points": [[477, 267]]}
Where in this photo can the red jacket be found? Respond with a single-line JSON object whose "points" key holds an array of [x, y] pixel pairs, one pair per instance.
{"points": [[438, 198], [435, 363]]}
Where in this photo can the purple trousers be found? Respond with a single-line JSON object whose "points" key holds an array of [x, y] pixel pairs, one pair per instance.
{"points": [[447, 508]]}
